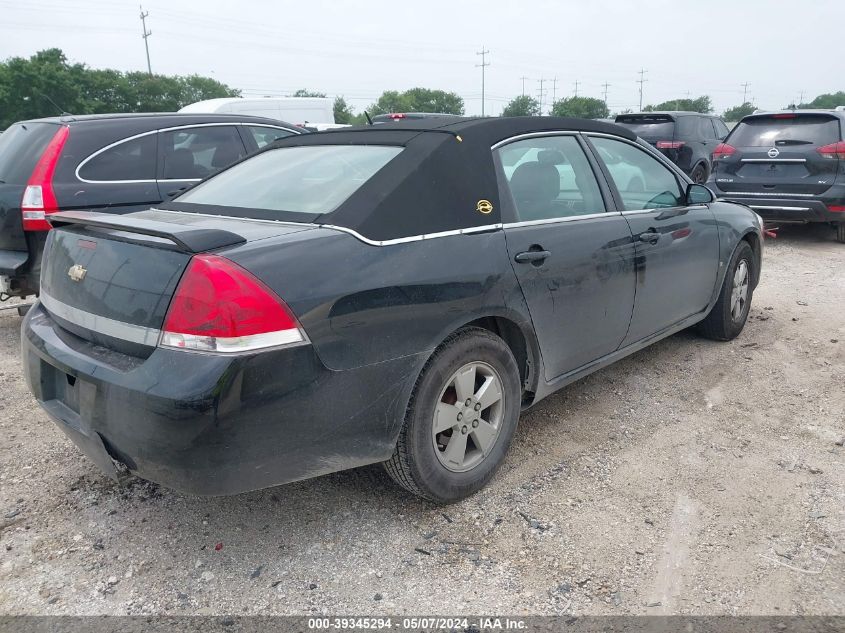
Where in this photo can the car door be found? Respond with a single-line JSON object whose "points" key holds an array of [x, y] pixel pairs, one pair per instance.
{"points": [[677, 244], [570, 249], [189, 154]]}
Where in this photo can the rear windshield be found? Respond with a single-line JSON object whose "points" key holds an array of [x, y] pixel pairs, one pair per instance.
{"points": [[769, 131], [312, 179], [20, 148], [648, 126]]}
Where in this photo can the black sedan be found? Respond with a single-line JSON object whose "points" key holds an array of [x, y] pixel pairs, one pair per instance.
{"points": [[393, 294]]}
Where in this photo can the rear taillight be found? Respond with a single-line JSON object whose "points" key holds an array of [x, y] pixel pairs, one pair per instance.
{"points": [[38, 198], [834, 150], [723, 150], [836, 208], [220, 307], [670, 144], [396, 116]]}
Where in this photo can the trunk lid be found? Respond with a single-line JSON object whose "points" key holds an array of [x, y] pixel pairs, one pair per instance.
{"points": [[778, 155], [109, 279]]}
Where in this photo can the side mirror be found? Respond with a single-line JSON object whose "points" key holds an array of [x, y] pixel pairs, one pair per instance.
{"points": [[699, 194]]}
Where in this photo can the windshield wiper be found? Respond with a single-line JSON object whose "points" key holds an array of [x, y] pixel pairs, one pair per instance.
{"points": [[792, 141]]}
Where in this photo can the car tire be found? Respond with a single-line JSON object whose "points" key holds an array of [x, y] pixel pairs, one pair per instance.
{"points": [[476, 362], [699, 174], [840, 232], [728, 316]]}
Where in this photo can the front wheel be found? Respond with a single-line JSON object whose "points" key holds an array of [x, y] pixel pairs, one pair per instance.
{"points": [[727, 318], [460, 420]]}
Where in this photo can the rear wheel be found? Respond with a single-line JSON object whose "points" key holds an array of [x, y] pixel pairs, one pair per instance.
{"points": [[699, 174], [840, 232], [461, 418], [727, 318]]}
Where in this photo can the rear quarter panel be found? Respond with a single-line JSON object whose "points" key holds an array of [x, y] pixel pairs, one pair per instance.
{"points": [[735, 222], [362, 304]]}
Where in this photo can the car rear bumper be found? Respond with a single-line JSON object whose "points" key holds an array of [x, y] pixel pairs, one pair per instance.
{"points": [[210, 424], [793, 209]]}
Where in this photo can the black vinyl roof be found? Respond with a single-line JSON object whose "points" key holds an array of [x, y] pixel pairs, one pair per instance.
{"points": [[436, 182]]}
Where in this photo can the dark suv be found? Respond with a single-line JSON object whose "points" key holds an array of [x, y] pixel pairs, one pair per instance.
{"points": [[788, 166], [111, 163], [686, 138]]}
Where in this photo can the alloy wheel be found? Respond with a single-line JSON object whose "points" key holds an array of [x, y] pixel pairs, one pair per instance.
{"points": [[468, 417], [739, 293]]}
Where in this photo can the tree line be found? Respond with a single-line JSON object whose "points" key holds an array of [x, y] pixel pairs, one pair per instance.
{"points": [[47, 84]]}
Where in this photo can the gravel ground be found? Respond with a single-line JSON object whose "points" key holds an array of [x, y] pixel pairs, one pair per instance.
{"points": [[693, 477]]}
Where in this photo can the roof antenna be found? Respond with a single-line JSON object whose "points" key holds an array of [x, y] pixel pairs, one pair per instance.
{"points": [[369, 120]]}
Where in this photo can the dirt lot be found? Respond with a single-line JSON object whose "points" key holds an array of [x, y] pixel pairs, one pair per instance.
{"points": [[693, 477]]}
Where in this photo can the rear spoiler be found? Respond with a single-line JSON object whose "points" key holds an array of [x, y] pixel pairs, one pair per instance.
{"points": [[185, 238]]}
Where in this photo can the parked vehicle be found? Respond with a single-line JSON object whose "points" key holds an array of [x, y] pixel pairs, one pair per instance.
{"points": [[409, 298], [788, 166], [316, 112], [686, 138], [116, 163], [393, 117]]}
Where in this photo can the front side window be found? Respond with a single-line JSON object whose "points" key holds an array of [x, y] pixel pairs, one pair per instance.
{"points": [[654, 185], [195, 153], [550, 177], [721, 129], [131, 160], [265, 135], [312, 179]]}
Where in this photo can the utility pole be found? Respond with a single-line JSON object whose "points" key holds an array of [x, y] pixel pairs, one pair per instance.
{"points": [[606, 86], [641, 81], [483, 65], [745, 91], [523, 85], [541, 81], [577, 83], [801, 98], [554, 91], [145, 34]]}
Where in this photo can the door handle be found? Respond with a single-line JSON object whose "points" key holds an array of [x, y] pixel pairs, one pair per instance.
{"points": [[649, 237], [533, 257]]}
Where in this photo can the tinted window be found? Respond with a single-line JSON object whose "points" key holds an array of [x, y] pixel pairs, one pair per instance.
{"points": [[650, 126], [721, 129], [769, 131], [550, 178], [266, 135], [130, 160], [20, 148], [199, 152], [313, 180], [655, 185], [708, 132]]}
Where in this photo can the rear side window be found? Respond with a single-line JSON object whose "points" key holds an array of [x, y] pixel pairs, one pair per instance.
{"points": [[771, 131], [550, 178], [134, 159], [312, 179], [721, 129], [20, 148], [195, 153], [649, 126], [265, 135]]}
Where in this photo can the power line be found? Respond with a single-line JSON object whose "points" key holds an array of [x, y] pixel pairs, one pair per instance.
{"points": [[641, 81], [483, 65], [145, 34]]}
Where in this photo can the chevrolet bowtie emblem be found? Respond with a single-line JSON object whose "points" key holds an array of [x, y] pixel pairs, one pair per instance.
{"points": [[76, 272]]}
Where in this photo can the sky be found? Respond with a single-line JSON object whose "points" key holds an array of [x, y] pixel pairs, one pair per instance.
{"points": [[781, 48]]}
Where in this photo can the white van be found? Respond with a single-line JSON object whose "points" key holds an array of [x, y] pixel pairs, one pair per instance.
{"points": [[311, 111]]}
